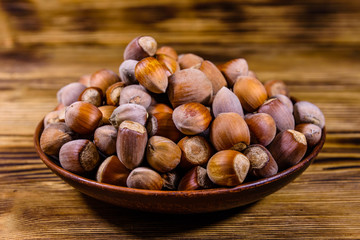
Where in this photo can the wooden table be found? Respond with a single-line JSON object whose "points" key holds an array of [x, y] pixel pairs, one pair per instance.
{"points": [[312, 45]]}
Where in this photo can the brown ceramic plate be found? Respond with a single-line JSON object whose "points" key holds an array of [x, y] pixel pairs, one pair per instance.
{"points": [[197, 201]]}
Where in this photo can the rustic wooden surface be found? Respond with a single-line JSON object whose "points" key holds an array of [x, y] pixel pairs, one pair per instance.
{"points": [[313, 45]]}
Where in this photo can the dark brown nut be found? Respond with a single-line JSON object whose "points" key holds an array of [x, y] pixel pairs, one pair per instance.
{"points": [[195, 151], [285, 100], [189, 85], [127, 71], [70, 93], [280, 113], [228, 130], [159, 108], [288, 148], [196, 178], [152, 75], [105, 139], [113, 93], [262, 128], [54, 117], [82, 117], [106, 111], [167, 50], [189, 60], [274, 87], [171, 180], [136, 94], [214, 75], [129, 111], [112, 171], [306, 112], [191, 118], [162, 154], [103, 79], [233, 69], [145, 178], [54, 136], [85, 80], [162, 124], [250, 92], [93, 95], [262, 164], [228, 168], [79, 156], [140, 47], [169, 63], [226, 101], [311, 131], [131, 143]]}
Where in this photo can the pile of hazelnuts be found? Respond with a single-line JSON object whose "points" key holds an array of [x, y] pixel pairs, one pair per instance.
{"points": [[178, 122]]}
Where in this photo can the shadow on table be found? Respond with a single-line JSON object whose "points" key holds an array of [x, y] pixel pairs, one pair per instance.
{"points": [[144, 224]]}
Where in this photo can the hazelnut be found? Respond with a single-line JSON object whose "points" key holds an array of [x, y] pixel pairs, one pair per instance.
{"points": [[85, 80], [136, 94], [54, 136], [82, 117], [160, 108], [274, 87], [214, 75], [113, 93], [70, 93], [106, 111], [169, 63], [262, 128], [196, 178], [227, 130], [191, 118], [262, 164], [162, 124], [288, 148], [306, 112], [228, 168], [145, 178], [127, 72], [189, 60], [167, 50], [79, 156], [105, 139], [171, 180], [131, 143], [140, 47], [189, 85], [151, 74], [93, 95], [226, 101], [195, 151], [280, 113], [129, 111], [162, 154], [250, 92], [233, 69], [54, 117], [103, 79], [285, 100], [112, 171], [311, 131]]}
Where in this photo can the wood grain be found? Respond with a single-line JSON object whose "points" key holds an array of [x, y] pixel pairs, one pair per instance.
{"points": [[312, 45]]}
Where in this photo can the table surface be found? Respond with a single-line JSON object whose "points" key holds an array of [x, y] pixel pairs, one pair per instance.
{"points": [[312, 45]]}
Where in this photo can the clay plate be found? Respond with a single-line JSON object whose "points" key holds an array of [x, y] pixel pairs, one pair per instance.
{"points": [[197, 201]]}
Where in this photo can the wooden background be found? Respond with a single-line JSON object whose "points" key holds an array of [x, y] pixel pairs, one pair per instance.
{"points": [[313, 45]]}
